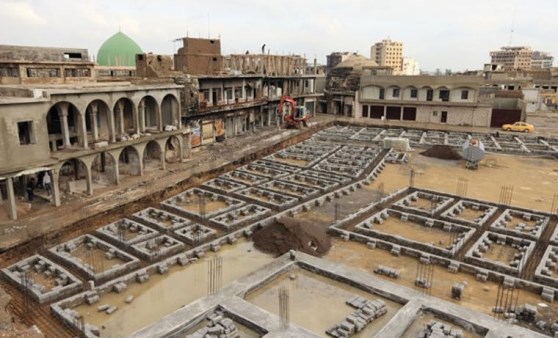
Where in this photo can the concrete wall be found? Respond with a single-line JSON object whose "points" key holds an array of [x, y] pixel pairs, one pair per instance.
{"points": [[199, 56], [12, 153]]}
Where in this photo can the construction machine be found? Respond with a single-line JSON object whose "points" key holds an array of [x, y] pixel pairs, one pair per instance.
{"points": [[293, 116]]}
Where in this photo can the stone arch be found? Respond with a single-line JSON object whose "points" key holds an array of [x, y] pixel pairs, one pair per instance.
{"points": [[153, 157], [129, 162], [74, 175], [170, 110], [104, 169], [124, 116], [173, 150], [64, 125], [150, 113], [98, 121]]}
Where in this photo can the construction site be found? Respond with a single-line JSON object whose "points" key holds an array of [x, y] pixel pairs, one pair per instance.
{"points": [[326, 231], [260, 195]]}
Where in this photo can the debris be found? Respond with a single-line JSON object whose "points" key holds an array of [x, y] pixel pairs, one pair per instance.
{"points": [[290, 234], [442, 152]]}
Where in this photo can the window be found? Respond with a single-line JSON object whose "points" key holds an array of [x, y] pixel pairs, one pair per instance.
{"points": [[429, 94], [444, 95], [434, 113], [382, 93], [464, 94], [414, 93], [395, 92], [364, 111], [43, 72], [9, 72], [25, 132]]}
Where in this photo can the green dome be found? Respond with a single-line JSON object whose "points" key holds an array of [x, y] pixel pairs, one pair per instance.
{"points": [[118, 50]]}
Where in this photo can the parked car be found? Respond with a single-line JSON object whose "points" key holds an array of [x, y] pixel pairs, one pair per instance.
{"points": [[519, 126]]}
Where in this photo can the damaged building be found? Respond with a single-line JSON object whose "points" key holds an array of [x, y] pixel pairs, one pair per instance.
{"points": [[84, 136]]}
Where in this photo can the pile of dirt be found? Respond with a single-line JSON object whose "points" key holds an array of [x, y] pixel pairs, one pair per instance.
{"points": [[442, 152], [290, 234]]}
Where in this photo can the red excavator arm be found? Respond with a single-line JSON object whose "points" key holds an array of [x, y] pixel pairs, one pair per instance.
{"points": [[291, 119]]}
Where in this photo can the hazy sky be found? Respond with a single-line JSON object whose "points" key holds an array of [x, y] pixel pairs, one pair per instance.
{"points": [[438, 33]]}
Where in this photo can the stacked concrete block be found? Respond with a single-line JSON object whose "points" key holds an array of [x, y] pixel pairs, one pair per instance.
{"points": [[409, 203], [218, 326], [157, 248], [384, 270], [269, 198], [330, 176], [531, 225], [547, 270], [65, 252], [266, 171], [523, 247], [241, 216], [462, 233], [244, 178], [160, 220], [24, 273], [366, 312], [454, 213], [437, 329], [195, 234], [295, 190], [223, 185], [192, 196], [126, 231], [313, 182], [548, 294]]}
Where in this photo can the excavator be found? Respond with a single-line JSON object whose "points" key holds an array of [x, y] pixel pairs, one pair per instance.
{"points": [[294, 116]]}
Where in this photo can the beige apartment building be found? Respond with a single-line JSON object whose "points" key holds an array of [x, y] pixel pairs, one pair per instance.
{"points": [[512, 58], [388, 53]]}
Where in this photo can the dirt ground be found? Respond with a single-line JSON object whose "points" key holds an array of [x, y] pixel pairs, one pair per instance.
{"points": [[534, 180], [479, 296]]}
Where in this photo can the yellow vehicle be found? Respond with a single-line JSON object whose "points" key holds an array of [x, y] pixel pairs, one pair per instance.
{"points": [[519, 126]]}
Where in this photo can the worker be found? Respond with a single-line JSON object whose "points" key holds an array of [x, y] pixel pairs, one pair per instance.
{"points": [[47, 183], [30, 187]]}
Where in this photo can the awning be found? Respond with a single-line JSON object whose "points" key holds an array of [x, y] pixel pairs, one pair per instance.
{"points": [[28, 172]]}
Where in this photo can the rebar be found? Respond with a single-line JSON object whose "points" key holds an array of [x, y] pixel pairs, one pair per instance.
{"points": [[506, 194], [284, 305], [215, 275], [462, 186]]}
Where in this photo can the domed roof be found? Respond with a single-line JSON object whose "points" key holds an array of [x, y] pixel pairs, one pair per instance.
{"points": [[118, 50], [357, 61]]}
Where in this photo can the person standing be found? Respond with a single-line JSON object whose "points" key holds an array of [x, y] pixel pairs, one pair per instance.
{"points": [[30, 188], [47, 183]]}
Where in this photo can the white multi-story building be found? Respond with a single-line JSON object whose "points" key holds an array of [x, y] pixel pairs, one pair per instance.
{"points": [[388, 53], [410, 66]]}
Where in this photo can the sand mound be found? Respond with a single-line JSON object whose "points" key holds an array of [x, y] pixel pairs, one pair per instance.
{"points": [[291, 234], [442, 152]]}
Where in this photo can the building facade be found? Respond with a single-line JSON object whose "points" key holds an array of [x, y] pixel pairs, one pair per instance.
{"points": [[388, 53], [541, 60], [512, 58], [83, 135], [410, 66]]}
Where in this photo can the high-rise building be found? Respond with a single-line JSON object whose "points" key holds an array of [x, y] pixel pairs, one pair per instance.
{"points": [[336, 58], [541, 60], [513, 58], [410, 66], [388, 53]]}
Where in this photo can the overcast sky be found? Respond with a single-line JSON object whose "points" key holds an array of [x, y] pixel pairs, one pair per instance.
{"points": [[437, 33]]}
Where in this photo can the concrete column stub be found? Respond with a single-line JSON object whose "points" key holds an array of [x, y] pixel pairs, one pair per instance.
{"points": [[12, 210]]}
